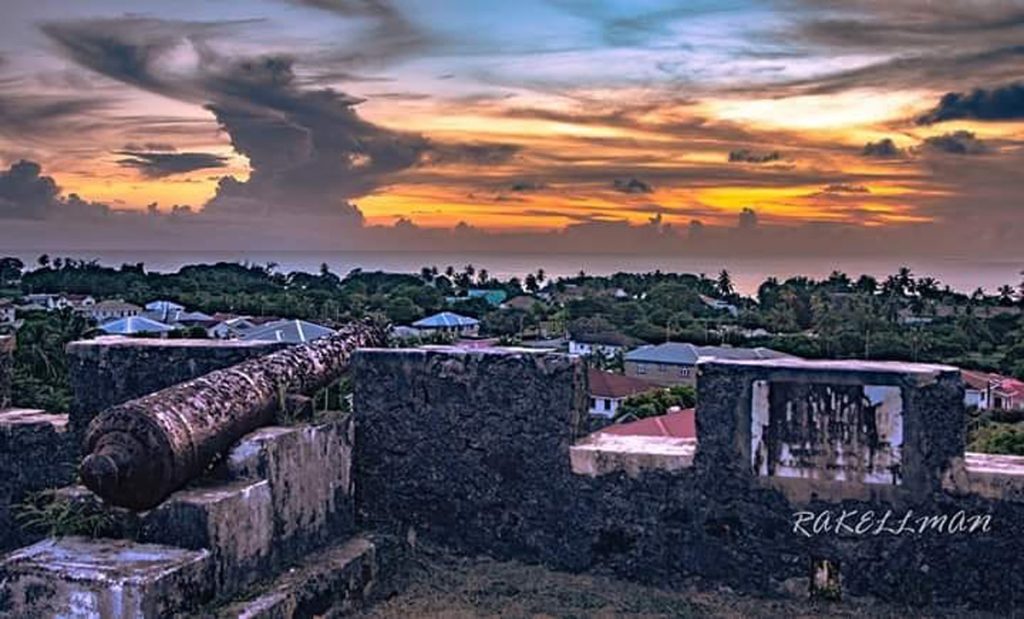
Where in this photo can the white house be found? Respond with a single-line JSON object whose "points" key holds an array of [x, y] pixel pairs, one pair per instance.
{"points": [[608, 391], [606, 345], [112, 310]]}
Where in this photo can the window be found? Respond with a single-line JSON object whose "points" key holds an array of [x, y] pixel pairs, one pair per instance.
{"points": [[606, 404], [593, 404], [641, 368]]}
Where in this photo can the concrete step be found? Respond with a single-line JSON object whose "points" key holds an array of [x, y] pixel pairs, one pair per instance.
{"points": [[330, 583], [107, 579]]}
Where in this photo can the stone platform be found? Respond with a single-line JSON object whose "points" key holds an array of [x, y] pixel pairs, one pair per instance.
{"points": [[111, 579]]}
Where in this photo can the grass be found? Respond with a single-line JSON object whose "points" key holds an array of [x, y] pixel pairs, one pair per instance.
{"points": [[445, 586]]}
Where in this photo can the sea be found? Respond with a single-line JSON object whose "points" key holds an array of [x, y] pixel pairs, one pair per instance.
{"points": [[961, 274]]}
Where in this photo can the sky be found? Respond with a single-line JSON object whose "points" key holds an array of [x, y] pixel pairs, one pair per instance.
{"points": [[747, 127]]}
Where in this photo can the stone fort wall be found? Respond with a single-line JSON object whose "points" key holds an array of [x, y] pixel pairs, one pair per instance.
{"points": [[472, 449]]}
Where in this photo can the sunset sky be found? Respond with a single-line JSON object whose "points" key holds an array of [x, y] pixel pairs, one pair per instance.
{"points": [[776, 126]]}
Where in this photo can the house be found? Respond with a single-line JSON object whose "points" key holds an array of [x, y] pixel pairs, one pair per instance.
{"points": [[6, 312], [675, 363], [1008, 395], [494, 298], [47, 301], [985, 391], [104, 311], [163, 311], [720, 305], [678, 423], [607, 345], [81, 303], [134, 325], [164, 306], [229, 326], [608, 390], [290, 331], [522, 302], [978, 389], [449, 322]]}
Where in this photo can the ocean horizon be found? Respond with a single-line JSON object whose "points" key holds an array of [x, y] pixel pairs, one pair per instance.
{"points": [[964, 275]]}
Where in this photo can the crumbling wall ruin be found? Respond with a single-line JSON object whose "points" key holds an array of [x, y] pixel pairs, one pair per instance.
{"points": [[472, 449]]}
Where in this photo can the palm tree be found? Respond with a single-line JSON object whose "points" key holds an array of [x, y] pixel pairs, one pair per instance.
{"points": [[724, 284]]}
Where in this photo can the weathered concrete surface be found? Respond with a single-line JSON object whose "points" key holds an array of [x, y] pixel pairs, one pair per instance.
{"points": [[234, 521], [834, 420], [990, 476], [34, 455], [601, 454], [6, 369], [472, 450], [308, 470], [281, 493], [108, 579], [467, 444], [139, 452], [110, 370], [329, 583]]}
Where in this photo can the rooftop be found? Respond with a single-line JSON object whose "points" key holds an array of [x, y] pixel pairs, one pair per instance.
{"points": [[682, 353], [609, 385], [134, 325], [678, 424], [445, 320], [291, 331]]}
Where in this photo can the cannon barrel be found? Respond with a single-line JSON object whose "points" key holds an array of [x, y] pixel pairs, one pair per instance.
{"points": [[141, 451]]}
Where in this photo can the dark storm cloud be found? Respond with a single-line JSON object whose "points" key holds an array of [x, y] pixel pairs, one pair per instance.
{"points": [[161, 164], [308, 150], [883, 149], [956, 143], [25, 193], [632, 185], [1002, 103], [747, 156]]}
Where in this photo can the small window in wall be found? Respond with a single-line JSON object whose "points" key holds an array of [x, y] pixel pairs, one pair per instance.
{"points": [[606, 404], [641, 368], [593, 404]]}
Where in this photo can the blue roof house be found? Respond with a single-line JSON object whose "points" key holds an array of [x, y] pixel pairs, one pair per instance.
{"points": [[134, 325], [449, 322]]}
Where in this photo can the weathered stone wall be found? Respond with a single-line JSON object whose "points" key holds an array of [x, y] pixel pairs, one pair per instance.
{"points": [[471, 449], [6, 369], [110, 370], [34, 456]]}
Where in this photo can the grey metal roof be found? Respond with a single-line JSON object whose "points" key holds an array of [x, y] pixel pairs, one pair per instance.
{"points": [[445, 320], [291, 331], [679, 353], [134, 325]]}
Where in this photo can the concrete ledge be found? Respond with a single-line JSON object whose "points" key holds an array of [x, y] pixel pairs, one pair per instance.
{"points": [[601, 454], [993, 476], [14, 420], [329, 583], [79, 577]]}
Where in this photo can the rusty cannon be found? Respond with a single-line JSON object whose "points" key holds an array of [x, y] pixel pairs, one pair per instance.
{"points": [[141, 451]]}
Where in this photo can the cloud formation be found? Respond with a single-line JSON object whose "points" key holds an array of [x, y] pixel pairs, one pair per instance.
{"points": [[747, 156], [956, 143], [1002, 103], [883, 149], [632, 185], [162, 164]]}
